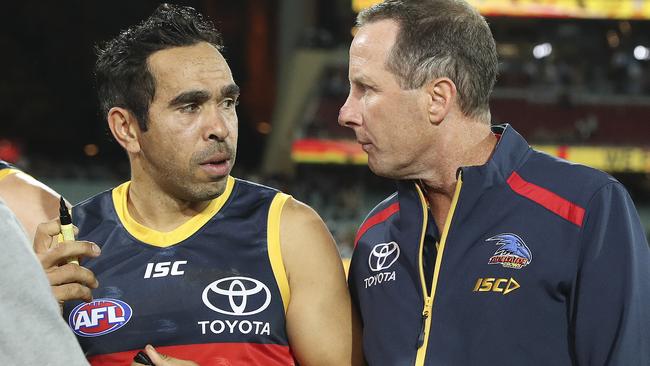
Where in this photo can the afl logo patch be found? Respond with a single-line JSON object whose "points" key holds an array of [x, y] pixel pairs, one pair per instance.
{"points": [[99, 317], [383, 256], [237, 296]]}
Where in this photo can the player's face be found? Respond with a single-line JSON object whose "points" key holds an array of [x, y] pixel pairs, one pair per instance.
{"points": [[390, 123], [191, 142]]}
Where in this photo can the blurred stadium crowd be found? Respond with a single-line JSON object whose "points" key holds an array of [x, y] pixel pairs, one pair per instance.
{"points": [[564, 82]]}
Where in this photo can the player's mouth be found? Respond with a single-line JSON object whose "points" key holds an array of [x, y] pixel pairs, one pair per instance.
{"points": [[216, 167]]}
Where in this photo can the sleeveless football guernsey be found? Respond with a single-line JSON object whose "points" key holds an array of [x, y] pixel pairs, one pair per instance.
{"points": [[213, 291]]}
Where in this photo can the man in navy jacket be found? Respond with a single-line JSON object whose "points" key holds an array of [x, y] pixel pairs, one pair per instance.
{"points": [[489, 252]]}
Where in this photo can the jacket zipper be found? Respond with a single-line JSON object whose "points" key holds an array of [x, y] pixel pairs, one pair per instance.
{"points": [[425, 315], [425, 327]]}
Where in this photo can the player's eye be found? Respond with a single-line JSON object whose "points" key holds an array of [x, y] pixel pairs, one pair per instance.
{"points": [[189, 108]]}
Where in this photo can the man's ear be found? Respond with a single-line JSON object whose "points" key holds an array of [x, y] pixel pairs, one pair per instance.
{"points": [[125, 129], [442, 95]]}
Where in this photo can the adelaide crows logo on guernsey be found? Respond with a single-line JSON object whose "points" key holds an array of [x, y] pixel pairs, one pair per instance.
{"points": [[512, 252]]}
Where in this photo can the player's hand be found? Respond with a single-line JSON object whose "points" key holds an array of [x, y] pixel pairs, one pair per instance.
{"points": [[69, 281], [159, 359]]}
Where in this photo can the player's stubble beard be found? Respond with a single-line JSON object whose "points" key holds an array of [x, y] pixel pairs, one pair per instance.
{"points": [[211, 190]]}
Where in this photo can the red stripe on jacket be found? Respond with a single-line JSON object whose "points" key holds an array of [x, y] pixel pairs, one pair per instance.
{"points": [[379, 217], [217, 354], [551, 201]]}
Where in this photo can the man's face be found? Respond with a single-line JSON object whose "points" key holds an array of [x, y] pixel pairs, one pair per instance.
{"points": [[391, 124], [191, 141]]}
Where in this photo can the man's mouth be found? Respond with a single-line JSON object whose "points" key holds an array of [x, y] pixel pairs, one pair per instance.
{"points": [[217, 166], [365, 145]]}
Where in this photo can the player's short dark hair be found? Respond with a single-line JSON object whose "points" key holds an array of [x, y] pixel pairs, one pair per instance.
{"points": [[122, 73], [441, 38]]}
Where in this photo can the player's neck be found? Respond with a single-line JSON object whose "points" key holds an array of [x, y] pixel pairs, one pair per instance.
{"points": [[151, 206]]}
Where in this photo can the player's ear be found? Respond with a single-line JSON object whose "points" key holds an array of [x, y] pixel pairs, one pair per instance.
{"points": [[125, 129], [442, 94]]}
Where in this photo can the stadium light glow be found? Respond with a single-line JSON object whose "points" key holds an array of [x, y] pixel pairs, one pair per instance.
{"points": [[642, 53], [542, 50], [91, 150], [264, 128]]}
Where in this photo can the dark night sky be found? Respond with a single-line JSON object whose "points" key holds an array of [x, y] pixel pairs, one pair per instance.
{"points": [[47, 96]]}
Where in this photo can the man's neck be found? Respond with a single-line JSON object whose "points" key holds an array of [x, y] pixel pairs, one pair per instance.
{"points": [[151, 206], [470, 147]]}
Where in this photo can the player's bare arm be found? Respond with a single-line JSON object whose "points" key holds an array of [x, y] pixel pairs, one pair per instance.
{"points": [[321, 325], [30, 200]]}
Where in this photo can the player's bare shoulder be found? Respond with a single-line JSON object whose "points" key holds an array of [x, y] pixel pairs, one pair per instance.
{"points": [[31, 201], [24, 186], [300, 216], [305, 239]]}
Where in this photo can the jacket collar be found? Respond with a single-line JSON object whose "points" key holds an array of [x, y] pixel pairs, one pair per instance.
{"points": [[509, 153]]}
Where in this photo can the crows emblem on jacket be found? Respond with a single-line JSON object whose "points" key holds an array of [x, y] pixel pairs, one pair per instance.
{"points": [[512, 252]]}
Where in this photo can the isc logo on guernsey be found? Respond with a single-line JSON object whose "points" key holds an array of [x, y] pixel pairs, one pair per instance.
{"points": [[102, 316]]}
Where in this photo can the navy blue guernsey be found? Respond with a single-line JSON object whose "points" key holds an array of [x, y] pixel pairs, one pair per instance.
{"points": [[213, 291], [540, 262]]}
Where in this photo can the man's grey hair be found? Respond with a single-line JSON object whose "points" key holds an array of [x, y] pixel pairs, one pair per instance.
{"points": [[441, 38]]}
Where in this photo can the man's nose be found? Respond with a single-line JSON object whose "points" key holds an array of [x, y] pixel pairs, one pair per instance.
{"points": [[350, 113], [217, 126]]}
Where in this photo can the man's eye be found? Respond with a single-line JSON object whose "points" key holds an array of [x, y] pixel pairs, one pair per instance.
{"points": [[371, 88], [363, 88], [231, 103], [190, 108]]}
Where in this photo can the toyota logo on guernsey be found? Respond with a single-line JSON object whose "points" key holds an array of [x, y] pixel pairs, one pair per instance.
{"points": [[239, 296], [383, 256], [99, 317]]}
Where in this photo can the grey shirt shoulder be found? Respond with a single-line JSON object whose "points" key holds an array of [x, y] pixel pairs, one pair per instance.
{"points": [[33, 331]]}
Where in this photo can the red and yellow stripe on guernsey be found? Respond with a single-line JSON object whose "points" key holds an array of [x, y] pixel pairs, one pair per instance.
{"points": [[210, 354]]}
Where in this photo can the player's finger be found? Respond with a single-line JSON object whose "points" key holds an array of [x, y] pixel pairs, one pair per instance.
{"points": [[68, 249], [44, 233], [160, 359], [72, 291], [156, 358], [71, 273]]}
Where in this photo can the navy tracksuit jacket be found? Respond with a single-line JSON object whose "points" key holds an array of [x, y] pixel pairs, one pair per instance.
{"points": [[540, 262]]}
